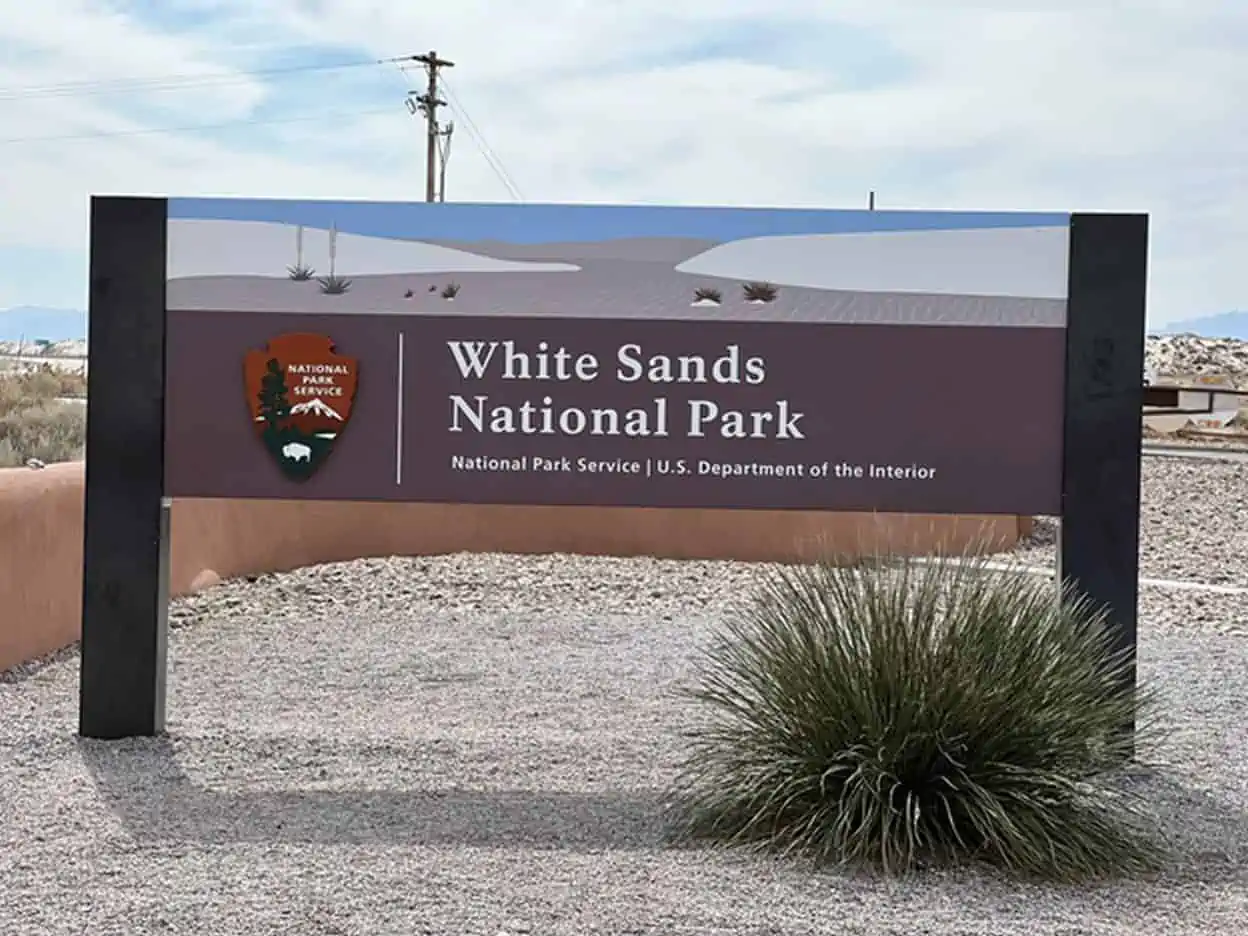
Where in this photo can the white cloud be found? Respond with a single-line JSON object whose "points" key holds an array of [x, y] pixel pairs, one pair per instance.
{"points": [[1081, 105]]}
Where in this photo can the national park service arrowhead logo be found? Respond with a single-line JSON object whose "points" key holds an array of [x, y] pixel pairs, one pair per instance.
{"points": [[300, 394]]}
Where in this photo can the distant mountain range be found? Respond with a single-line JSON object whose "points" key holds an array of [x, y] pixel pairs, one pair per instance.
{"points": [[1225, 325], [34, 323]]}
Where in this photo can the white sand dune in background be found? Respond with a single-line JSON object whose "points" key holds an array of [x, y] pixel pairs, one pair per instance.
{"points": [[261, 248], [1024, 263]]}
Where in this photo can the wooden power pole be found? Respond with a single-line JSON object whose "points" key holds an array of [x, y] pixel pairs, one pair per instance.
{"points": [[429, 103]]}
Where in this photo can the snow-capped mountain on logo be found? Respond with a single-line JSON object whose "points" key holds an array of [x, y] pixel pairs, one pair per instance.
{"points": [[315, 417], [316, 407]]}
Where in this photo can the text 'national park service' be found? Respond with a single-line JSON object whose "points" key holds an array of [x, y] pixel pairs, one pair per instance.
{"points": [[632, 365]]}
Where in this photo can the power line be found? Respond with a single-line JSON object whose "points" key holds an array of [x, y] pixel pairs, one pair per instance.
{"points": [[177, 82], [429, 102], [491, 158], [107, 134]]}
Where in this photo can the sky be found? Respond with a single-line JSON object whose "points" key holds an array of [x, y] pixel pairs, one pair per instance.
{"points": [[975, 105], [531, 223]]}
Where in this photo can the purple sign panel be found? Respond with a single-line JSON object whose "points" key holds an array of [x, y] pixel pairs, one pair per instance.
{"points": [[616, 356]]}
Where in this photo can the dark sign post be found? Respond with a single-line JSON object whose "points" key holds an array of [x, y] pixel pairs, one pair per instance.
{"points": [[690, 358], [125, 592], [1100, 536]]}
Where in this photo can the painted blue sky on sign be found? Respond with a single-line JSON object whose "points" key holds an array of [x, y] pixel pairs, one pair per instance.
{"points": [[547, 223]]}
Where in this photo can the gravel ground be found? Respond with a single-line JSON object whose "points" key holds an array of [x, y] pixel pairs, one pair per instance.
{"points": [[1193, 524], [481, 745]]}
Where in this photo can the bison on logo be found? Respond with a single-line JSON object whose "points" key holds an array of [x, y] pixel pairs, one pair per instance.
{"points": [[300, 394]]}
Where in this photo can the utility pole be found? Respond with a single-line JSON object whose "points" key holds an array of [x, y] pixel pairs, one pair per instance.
{"points": [[444, 148], [429, 102]]}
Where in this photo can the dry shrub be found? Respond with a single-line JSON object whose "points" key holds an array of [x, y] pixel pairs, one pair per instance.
{"points": [[34, 420]]}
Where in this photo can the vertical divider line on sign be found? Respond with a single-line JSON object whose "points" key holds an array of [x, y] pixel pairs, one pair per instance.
{"points": [[398, 421]]}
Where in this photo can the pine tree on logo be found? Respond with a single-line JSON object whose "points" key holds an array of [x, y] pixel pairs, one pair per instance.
{"points": [[274, 406]]}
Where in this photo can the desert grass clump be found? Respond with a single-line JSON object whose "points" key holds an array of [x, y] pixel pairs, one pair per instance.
{"points": [[760, 292], [708, 294], [450, 290], [897, 714], [35, 422], [300, 274]]}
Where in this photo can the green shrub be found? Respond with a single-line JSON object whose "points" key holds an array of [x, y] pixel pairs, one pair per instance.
{"points": [[898, 715]]}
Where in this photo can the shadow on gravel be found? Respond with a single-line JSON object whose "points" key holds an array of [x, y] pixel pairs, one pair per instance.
{"points": [[1207, 836], [144, 784]]}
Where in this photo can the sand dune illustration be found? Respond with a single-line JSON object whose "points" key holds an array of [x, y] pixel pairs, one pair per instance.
{"points": [[999, 277]]}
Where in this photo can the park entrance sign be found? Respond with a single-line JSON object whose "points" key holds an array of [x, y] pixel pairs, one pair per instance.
{"points": [[616, 356], [929, 362]]}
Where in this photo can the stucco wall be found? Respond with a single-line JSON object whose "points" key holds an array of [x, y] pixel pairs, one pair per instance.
{"points": [[41, 540]]}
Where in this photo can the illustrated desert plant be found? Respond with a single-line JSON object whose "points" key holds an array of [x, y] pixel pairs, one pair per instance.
{"points": [[35, 420], [408, 294], [450, 291], [300, 272], [760, 292], [708, 294], [897, 715], [333, 284]]}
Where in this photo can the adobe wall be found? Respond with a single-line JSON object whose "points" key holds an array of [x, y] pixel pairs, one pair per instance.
{"points": [[41, 540]]}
